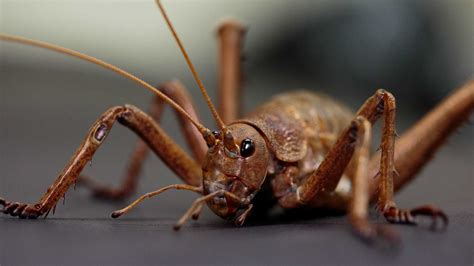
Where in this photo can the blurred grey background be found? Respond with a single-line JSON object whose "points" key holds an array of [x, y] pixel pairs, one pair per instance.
{"points": [[419, 50]]}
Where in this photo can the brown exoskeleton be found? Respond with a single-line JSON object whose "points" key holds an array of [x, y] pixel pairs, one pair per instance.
{"points": [[307, 149]]}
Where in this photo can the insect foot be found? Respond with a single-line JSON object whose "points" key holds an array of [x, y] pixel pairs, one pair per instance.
{"points": [[379, 235], [105, 192], [22, 210], [395, 215]]}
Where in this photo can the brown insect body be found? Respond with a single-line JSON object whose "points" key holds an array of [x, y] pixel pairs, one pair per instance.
{"points": [[292, 133]]}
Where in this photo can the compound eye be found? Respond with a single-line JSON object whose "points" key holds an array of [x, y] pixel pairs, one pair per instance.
{"points": [[247, 148], [217, 134]]}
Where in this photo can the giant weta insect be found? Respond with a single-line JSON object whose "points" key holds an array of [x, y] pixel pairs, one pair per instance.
{"points": [[305, 148]]}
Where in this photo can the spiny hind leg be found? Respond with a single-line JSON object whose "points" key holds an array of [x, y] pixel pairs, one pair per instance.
{"points": [[178, 93], [136, 120]]}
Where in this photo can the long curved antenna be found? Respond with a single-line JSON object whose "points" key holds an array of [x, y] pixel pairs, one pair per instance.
{"points": [[219, 121], [45, 45]]}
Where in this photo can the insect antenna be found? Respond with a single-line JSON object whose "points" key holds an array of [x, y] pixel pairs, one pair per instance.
{"points": [[219, 121], [56, 48]]}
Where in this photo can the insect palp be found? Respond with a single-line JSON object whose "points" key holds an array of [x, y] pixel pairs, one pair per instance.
{"points": [[241, 218]]}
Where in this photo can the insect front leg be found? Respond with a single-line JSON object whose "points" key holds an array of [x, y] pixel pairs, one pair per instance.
{"points": [[318, 190], [329, 172], [383, 103], [416, 147], [359, 200], [178, 93], [136, 120]]}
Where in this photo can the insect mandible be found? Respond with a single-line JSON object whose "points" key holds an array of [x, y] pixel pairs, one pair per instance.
{"points": [[307, 149]]}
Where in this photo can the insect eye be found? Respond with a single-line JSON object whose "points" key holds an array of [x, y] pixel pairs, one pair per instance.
{"points": [[247, 148], [217, 134]]}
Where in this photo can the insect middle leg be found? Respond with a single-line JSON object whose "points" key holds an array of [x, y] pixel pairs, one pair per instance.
{"points": [[136, 120], [178, 93]]}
